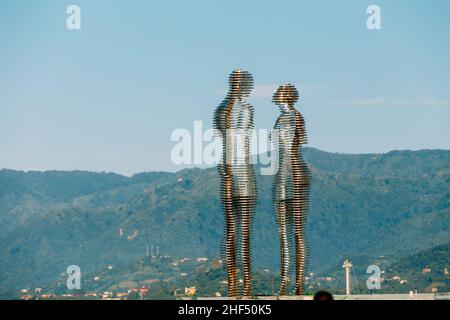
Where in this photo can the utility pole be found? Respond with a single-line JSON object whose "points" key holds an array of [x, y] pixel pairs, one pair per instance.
{"points": [[347, 266]]}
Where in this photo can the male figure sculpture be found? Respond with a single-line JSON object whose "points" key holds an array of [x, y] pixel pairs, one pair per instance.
{"points": [[291, 187], [233, 120]]}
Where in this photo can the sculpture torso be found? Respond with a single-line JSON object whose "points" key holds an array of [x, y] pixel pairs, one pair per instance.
{"points": [[236, 129], [289, 141]]}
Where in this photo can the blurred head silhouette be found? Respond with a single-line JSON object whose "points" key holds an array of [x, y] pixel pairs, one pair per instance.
{"points": [[323, 296], [286, 95], [241, 83]]}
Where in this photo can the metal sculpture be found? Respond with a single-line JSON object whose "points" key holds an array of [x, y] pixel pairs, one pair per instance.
{"points": [[233, 121], [291, 188]]}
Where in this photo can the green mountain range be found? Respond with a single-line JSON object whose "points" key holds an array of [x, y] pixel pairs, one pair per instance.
{"points": [[394, 204]]}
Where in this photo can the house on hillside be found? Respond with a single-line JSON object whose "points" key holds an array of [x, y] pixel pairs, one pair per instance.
{"points": [[190, 291]]}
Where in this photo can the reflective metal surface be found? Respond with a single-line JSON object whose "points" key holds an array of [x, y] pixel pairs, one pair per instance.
{"points": [[291, 188], [233, 122]]}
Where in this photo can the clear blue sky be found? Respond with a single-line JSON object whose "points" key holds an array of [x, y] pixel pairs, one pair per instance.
{"points": [[107, 97]]}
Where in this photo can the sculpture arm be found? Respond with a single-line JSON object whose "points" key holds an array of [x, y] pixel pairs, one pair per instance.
{"points": [[276, 126], [220, 119], [300, 128], [245, 120]]}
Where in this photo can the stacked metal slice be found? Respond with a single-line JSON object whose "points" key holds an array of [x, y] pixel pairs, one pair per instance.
{"points": [[233, 122], [291, 189]]}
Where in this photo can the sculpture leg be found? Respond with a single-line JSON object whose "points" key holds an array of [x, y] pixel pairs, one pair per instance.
{"points": [[301, 206], [246, 205], [300, 250], [231, 256], [284, 246], [230, 240]]}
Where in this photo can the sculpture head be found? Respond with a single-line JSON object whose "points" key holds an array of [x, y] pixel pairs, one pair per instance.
{"points": [[286, 96], [241, 83]]}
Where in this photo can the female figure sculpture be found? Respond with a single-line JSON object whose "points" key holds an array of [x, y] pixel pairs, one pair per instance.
{"points": [[291, 187]]}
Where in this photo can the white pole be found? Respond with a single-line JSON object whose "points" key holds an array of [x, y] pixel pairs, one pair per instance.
{"points": [[347, 281], [347, 265]]}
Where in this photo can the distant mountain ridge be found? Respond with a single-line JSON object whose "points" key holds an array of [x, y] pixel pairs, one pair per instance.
{"points": [[396, 203]]}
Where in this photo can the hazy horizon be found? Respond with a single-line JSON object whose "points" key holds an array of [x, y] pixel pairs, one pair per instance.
{"points": [[204, 166]]}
